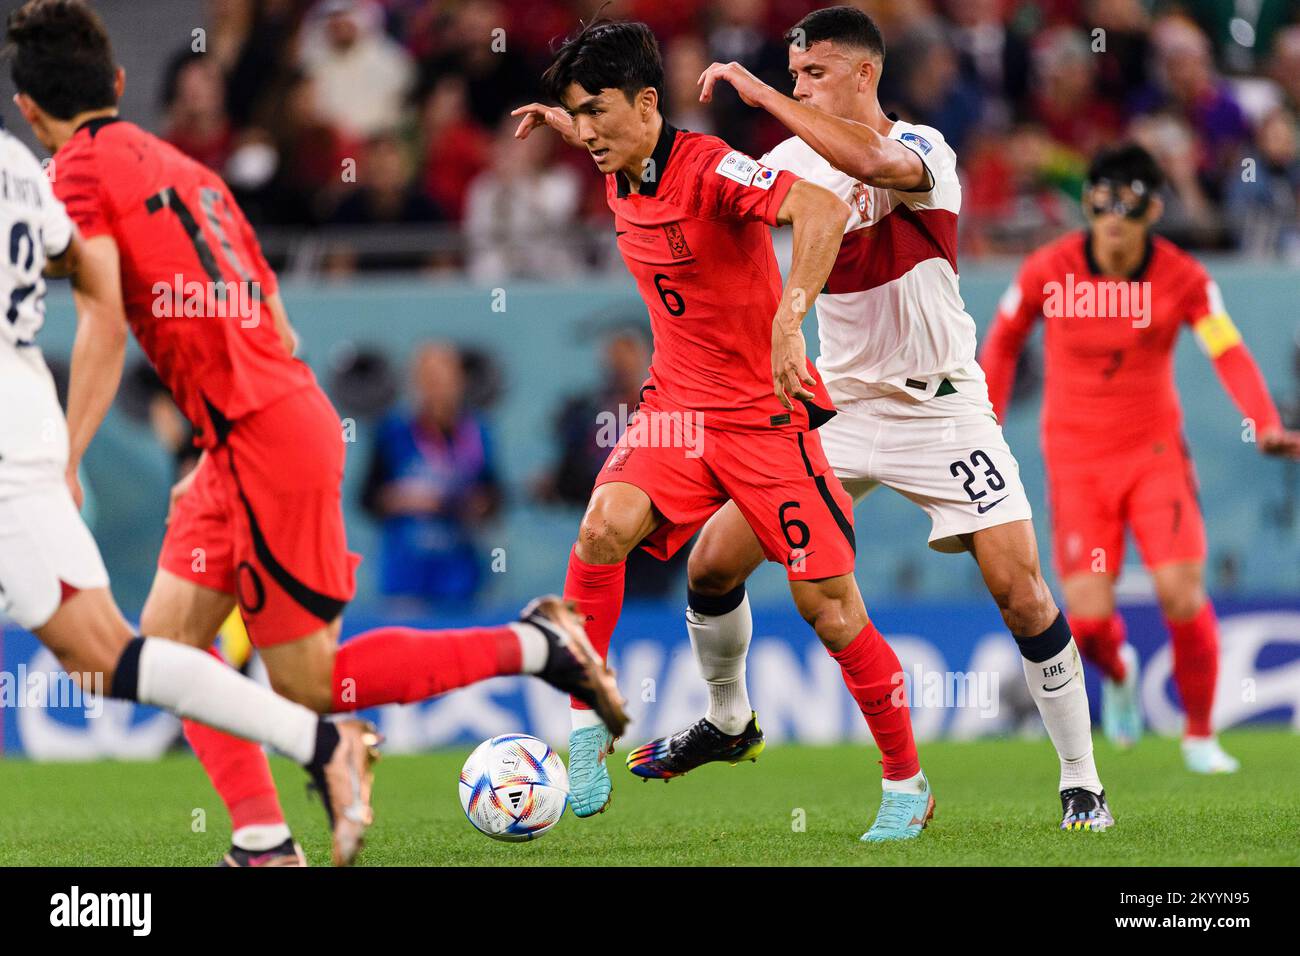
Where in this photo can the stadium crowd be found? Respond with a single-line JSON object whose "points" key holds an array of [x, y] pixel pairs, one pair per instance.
{"points": [[394, 113]]}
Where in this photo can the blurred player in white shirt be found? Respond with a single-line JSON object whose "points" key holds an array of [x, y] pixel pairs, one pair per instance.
{"points": [[898, 357]]}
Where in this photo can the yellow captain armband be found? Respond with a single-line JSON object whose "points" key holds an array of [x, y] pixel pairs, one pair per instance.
{"points": [[1217, 334]]}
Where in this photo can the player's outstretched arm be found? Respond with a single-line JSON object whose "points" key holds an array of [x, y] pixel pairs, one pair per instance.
{"points": [[1244, 382], [818, 217], [100, 346], [849, 146], [1017, 312]]}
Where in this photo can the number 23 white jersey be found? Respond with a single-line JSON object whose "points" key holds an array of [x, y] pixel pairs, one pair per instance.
{"points": [[34, 227]]}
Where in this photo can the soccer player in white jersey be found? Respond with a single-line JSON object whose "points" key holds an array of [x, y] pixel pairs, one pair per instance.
{"points": [[898, 357]]}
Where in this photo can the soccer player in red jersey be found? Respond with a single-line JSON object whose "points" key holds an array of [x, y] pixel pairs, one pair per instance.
{"points": [[1114, 299], [259, 522], [731, 404]]}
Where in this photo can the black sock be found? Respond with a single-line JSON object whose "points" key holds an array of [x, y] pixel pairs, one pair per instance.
{"points": [[327, 738], [1045, 646], [126, 675], [715, 605]]}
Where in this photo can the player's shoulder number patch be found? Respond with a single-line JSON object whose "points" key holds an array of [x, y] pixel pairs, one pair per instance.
{"points": [[746, 171]]}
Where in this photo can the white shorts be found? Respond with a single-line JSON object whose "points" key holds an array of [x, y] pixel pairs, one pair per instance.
{"points": [[948, 456], [44, 547]]}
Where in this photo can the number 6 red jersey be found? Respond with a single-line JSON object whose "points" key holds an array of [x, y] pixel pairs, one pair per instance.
{"points": [[696, 240], [193, 274]]}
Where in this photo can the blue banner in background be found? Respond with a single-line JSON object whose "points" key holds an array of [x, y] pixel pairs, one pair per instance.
{"points": [[963, 673]]}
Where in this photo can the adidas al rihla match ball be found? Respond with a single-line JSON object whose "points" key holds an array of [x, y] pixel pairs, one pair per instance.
{"points": [[514, 787]]}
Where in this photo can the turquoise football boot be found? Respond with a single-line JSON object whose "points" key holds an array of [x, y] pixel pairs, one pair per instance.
{"points": [[902, 816], [589, 783], [1204, 755], [1121, 709]]}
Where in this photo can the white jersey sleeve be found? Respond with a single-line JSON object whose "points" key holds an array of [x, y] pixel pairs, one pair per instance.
{"points": [[944, 189]]}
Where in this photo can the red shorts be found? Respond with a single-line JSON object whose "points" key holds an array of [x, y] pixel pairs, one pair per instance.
{"points": [[263, 520], [1153, 491], [780, 480]]}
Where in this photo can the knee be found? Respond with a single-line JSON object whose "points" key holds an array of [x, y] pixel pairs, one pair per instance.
{"points": [[1182, 604], [1024, 599], [834, 619], [311, 685], [706, 576], [603, 538]]}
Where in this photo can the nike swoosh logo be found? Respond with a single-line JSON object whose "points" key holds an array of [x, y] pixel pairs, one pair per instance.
{"points": [[991, 505], [1058, 686], [803, 557]]}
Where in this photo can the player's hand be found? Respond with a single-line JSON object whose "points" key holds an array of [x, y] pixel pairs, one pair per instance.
{"points": [[536, 115], [750, 87], [179, 489], [74, 487], [790, 366], [1280, 443]]}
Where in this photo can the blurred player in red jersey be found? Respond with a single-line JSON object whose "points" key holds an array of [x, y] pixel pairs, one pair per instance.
{"points": [[731, 404], [259, 521], [1114, 299], [898, 358]]}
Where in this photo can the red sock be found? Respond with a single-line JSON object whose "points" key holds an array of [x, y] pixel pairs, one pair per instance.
{"points": [[598, 589], [1099, 641], [1196, 667], [401, 665], [875, 679], [239, 772]]}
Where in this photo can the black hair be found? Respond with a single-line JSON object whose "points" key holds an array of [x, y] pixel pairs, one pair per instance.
{"points": [[607, 54], [62, 57], [1124, 164], [847, 25]]}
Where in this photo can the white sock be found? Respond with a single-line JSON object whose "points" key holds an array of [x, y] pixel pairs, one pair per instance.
{"points": [[533, 646], [260, 837], [580, 717], [1057, 687], [193, 684], [720, 643], [915, 784]]}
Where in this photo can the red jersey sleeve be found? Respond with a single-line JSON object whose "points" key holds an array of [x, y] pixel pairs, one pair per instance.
{"points": [[1219, 338], [1018, 309], [723, 183], [76, 184]]}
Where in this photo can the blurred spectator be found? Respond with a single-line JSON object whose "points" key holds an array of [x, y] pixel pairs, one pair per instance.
{"points": [[990, 56], [932, 91], [431, 482], [1125, 55], [385, 195], [194, 97], [308, 162], [363, 76], [1262, 200], [584, 437], [740, 33], [1065, 99], [1284, 66], [520, 214], [1190, 217], [457, 149], [1188, 87], [684, 61], [495, 80]]}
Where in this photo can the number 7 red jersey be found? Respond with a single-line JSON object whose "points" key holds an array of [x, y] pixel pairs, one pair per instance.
{"points": [[193, 274], [696, 240]]}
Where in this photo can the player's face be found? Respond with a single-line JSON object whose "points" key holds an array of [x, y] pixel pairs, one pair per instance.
{"points": [[827, 77], [1120, 214], [609, 126]]}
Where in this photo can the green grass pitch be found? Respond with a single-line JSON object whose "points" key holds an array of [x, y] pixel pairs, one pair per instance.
{"points": [[797, 805]]}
